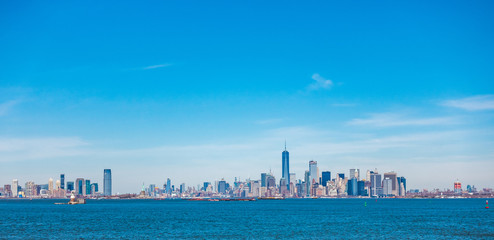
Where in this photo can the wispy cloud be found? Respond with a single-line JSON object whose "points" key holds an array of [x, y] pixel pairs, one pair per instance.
{"points": [[475, 103], [395, 120], [18, 149], [268, 121], [156, 66], [6, 106], [320, 83]]}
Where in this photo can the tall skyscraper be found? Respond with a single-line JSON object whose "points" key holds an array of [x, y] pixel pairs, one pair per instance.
{"points": [[376, 184], [264, 179], [168, 189], [388, 187], [107, 182], [394, 182], [62, 181], [15, 185], [87, 184], [354, 173], [285, 160], [70, 186], [222, 186], [326, 176], [79, 186], [313, 176], [50, 184]]}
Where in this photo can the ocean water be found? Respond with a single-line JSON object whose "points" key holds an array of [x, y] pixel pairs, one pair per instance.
{"points": [[263, 219]]}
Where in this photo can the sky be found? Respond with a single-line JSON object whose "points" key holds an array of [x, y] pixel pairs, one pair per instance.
{"points": [[200, 91]]}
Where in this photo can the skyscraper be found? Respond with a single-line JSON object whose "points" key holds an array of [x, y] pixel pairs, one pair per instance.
{"points": [[313, 178], [107, 182], [376, 184], [62, 181], [70, 186], [15, 184], [79, 186], [394, 182], [285, 160], [168, 189], [87, 191], [50, 184], [387, 186], [326, 176], [264, 179]]}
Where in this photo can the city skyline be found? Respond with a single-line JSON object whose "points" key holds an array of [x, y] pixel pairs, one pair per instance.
{"points": [[212, 91]]}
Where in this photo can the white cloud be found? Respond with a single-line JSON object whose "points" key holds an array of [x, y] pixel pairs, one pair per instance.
{"points": [[156, 66], [475, 103], [321, 83], [6, 106], [395, 120]]}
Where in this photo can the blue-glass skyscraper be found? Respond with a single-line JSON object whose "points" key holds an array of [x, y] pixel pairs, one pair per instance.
{"points": [[285, 158], [168, 188], [326, 176], [62, 181], [107, 182]]}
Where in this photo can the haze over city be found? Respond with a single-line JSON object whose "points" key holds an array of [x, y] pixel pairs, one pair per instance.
{"points": [[156, 91]]}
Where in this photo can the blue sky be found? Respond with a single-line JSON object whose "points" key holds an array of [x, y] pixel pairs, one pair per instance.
{"points": [[199, 91]]}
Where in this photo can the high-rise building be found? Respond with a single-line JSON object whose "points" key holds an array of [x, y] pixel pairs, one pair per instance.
{"points": [[394, 181], [94, 188], [354, 173], [388, 186], [285, 160], [352, 187], [326, 176], [70, 186], [7, 189], [376, 184], [107, 182], [307, 182], [457, 187], [182, 188], [361, 188], [87, 190], [57, 185], [168, 189], [222, 186], [403, 186], [79, 186], [50, 184], [264, 178], [15, 185], [313, 178], [62, 181]]}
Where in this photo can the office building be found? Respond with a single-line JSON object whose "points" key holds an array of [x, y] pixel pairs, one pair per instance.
{"points": [[70, 186], [313, 178], [285, 174], [168, 186], [352, 187], [15, 187], [361, 188], [271, 181], [50, 184], [394, 181], [222, 186], [354, 173], [388, 186], [94, 188], [107, 182], [79, 186], [264, 177], [62, 181], [376, 184], [87, 184], [326, 176]]}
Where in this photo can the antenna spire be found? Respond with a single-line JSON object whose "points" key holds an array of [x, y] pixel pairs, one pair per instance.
{"points": [[285, 144]]}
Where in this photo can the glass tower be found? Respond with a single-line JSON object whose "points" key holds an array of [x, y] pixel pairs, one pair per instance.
{"points": [[107, 182], [285, 158], [62, 181]]}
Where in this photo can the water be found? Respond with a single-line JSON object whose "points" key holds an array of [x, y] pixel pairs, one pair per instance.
{"points": [[265, 219]]}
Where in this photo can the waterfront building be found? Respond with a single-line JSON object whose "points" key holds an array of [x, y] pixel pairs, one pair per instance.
{"points": [[205, 186], [264, 177], [182, 188], [79, 186], [307, 182], [388, 186], [168, 189], [15, 188], [285, 160], [326, 176], [50, 185], [255, 187], [87, 187], [30, 189], [57, 185], [7, 190], [271, 181], [94, 188], [62, 181], [361, 188], [394, 181], [375, 184], [352, 187], [70, 186], [222, 186], [107, 182], [313, 176], [457, 187]]}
